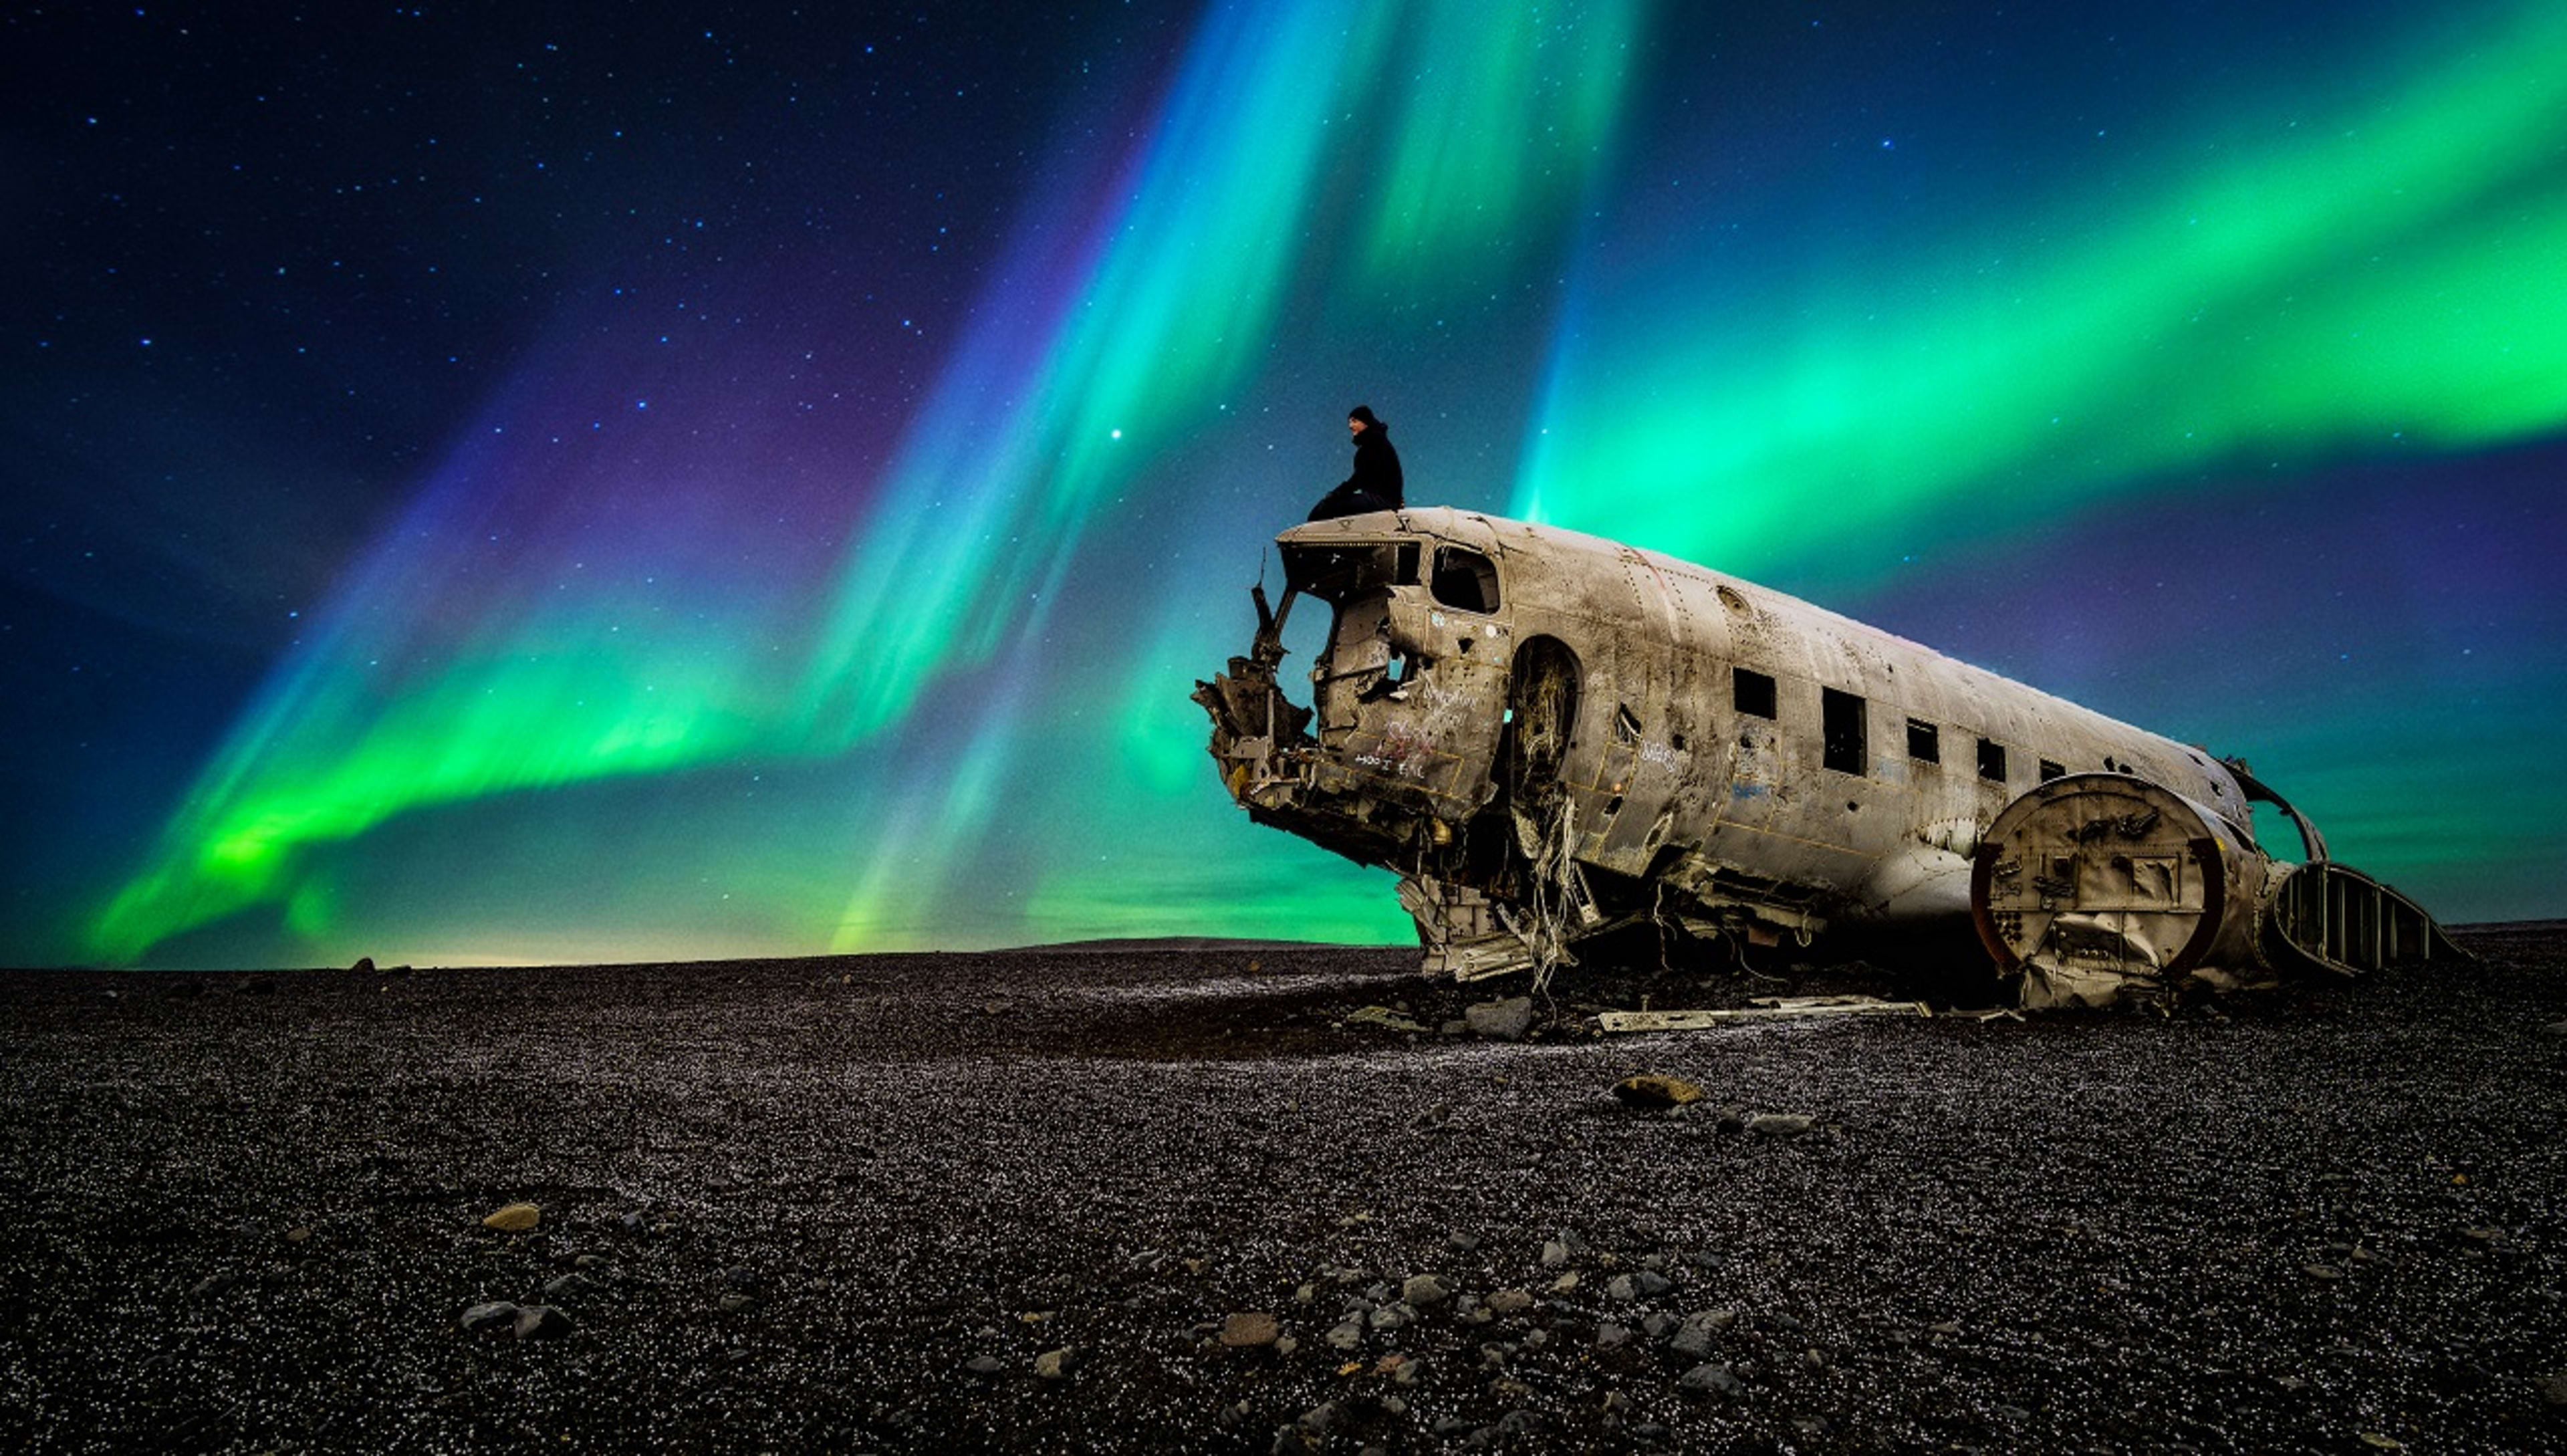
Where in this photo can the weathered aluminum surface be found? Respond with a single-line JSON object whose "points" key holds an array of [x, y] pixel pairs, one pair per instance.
{"points": [[1550, 735]]}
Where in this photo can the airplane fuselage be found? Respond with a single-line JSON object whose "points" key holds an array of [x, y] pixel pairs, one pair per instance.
{"points": [[1549, 735]]}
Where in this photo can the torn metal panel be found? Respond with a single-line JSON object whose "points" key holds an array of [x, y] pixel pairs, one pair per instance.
{"points": [[1547, 736]]}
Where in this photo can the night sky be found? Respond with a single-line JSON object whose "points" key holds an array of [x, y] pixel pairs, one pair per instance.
{"points": [[542, 482]]}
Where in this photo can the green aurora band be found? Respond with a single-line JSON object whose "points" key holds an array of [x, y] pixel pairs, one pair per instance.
{"points": [[2296, 281]]}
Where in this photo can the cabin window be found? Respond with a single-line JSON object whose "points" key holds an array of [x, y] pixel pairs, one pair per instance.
{"points": [[1992, 760], [1751, 691], [1465, 580], [1840, 724], [1339, 574], [1924, 745], [2050, 770]]}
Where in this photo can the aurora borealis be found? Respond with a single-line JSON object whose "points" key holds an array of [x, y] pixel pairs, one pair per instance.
{"points": [[503, 485]]}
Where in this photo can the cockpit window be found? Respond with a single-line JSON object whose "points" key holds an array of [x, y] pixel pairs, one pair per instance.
{"points": [[1464, 580], [1342, 573]]}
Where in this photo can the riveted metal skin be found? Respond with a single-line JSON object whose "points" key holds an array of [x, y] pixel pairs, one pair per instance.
{"points": [[1550, 736]]}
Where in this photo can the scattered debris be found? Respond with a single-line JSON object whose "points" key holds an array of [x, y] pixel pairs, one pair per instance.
{"points": [[1384, 1017], [1766, 1008]]}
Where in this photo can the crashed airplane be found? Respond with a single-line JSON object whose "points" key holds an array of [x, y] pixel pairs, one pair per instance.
{"points": [[1552, 738]]}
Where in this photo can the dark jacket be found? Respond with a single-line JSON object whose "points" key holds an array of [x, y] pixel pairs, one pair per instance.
{"points": [[1376, 484]]}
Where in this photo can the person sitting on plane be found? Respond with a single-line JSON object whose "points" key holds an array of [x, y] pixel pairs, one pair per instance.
{"points": [[1376, 482]]}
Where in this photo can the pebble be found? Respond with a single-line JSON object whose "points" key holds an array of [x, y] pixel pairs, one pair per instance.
{"points": [[541, 1321], [569, 1283], [983, 1367], [2553, 1387], [1323, 1418], [1346, 1336], [1554, 1255], [1054, 1364], [1425, 1291], [497, 1314], [1650, 1089], [1781, 1124], [516, 1217], [1511, 1302], [1623, 1287], [735, 1301], [1564, 1283], [1612, 1337], [1253, 1329], [1500, 1021], [1711, 1381]]}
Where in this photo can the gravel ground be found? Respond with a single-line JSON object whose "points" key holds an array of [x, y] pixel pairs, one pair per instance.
{"points": [[866, 1203]]}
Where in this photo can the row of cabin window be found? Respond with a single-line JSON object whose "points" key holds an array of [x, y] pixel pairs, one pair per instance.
{"points": [[1842, 736]]}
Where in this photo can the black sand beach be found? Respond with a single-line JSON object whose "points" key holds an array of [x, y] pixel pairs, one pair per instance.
{"points": [[868, 1203]]}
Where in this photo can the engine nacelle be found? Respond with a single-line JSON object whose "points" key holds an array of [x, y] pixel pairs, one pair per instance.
{"points": [[2093, 885]]}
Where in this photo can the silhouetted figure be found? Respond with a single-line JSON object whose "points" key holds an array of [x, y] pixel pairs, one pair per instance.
{"points": [[1375, 484]]}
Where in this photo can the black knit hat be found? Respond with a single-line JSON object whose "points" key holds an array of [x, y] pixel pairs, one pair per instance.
{"points": [[1363, 413]]}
